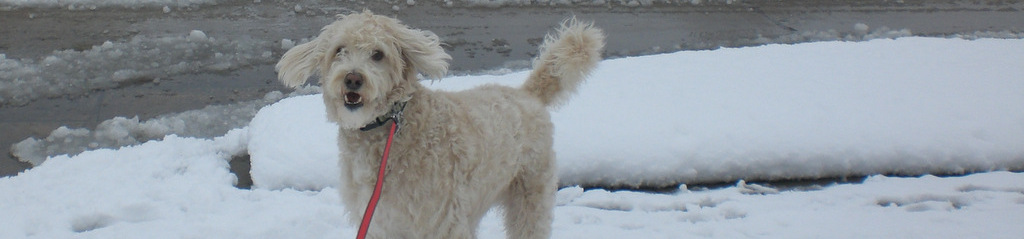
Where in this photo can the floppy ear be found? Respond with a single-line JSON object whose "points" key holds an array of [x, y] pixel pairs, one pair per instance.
{"points": [[422, 50], [298, 64]]}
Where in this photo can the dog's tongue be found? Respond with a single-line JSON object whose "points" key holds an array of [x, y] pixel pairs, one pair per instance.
{"points": [[353, 98]]}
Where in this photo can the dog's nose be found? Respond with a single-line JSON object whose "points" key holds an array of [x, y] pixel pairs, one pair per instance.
{"points": [[353, 81]]}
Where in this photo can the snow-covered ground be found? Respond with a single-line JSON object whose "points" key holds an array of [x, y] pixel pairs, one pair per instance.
{"points": [[181, 188], [826, 109]]}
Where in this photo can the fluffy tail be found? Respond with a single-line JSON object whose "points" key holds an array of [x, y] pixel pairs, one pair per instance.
{"points": [[566, 59]]}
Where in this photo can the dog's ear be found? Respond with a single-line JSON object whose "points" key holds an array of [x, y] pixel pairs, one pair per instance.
{"points": [[422, 51], [298, 64]]}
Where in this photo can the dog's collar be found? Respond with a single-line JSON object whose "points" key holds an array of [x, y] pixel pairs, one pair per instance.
{"points": [[395, 114]]}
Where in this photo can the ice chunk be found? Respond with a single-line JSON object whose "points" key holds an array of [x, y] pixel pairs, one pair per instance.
{"points": [[196, 35], [860, 28], [746, 188], [567, 195], [125, 75], [34, 151], [287, 44]]}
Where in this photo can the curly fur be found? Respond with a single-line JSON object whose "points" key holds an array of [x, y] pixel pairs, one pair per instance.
{"points": [[458, 153]]}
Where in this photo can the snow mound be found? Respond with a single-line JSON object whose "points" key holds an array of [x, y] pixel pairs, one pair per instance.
{"points": [[170, 187], [139, 60], [291, 147], [832, 109], [905, 106]]}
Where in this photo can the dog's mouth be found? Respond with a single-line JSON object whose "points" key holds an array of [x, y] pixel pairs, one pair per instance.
{"points": [[353, 100]]}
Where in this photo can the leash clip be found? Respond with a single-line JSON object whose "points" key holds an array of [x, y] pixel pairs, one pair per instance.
{"points": [[397, 115]]}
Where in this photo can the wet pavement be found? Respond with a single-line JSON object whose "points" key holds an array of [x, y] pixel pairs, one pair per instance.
{"points": [[478, 39]]}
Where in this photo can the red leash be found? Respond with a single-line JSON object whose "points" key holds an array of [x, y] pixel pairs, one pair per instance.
{"points": [[372, 205]]}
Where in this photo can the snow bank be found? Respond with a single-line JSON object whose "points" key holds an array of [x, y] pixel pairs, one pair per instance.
{"points": [[829, 109], [905, 106], [141, 59]]}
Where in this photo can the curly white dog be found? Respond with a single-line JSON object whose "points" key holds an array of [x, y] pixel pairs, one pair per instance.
{"points": [[457, 154]]}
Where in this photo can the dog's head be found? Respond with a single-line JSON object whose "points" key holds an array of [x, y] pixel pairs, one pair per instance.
{"points": [[365, 63]]}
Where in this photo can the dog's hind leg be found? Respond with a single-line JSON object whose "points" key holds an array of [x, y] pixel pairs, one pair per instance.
{"points": [[530, 199]]}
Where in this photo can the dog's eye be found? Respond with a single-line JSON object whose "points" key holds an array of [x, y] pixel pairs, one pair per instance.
{"points": [[338, 51], [377, 55]]}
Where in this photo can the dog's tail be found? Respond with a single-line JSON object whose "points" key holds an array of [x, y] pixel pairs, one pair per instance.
{"points": [[566, 59]]}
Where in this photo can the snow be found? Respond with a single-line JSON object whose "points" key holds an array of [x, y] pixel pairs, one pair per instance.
{"points": [[181, 188], [738, 115], [881, 207], [279, 166], [287, 44], [137, 60], [806, 111], [173, 188], [828, 109]]}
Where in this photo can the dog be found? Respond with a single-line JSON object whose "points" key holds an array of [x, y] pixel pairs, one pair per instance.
{"points": [[456, 154]]}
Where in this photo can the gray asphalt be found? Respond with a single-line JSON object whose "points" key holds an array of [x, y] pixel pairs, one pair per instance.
{"points": [[477, 38]]}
